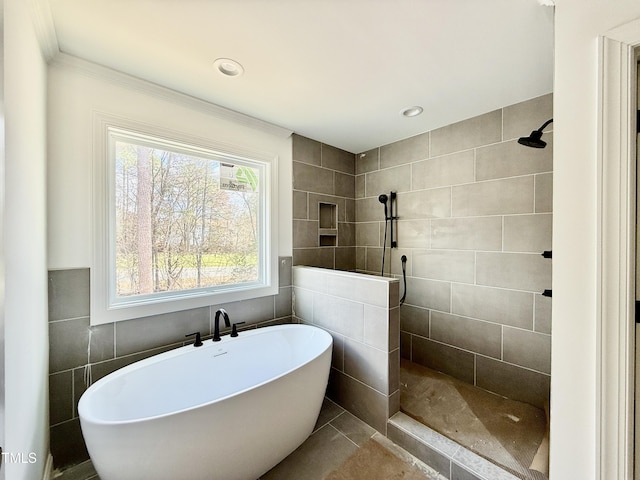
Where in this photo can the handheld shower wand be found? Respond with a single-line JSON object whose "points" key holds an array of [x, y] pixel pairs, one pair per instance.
{"points": [[384, 199], [403, 259]]}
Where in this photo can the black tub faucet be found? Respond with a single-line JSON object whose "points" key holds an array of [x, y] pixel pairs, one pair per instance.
{"points": [[216, 323]]}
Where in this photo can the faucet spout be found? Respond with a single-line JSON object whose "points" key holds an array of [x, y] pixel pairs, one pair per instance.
{"points": [[216, 323]]}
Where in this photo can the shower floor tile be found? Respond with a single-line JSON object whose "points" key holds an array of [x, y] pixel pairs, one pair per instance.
{"points": [[505, 432]]}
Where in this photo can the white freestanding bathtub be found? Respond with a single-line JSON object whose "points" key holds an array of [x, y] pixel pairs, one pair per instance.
{"points": [[226, 410]]}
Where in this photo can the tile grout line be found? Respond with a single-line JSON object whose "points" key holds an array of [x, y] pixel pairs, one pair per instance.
{"points": [[341, 433]]}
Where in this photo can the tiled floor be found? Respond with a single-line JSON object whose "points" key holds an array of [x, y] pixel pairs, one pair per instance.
{"points": [[337, 435], [506, 432]]}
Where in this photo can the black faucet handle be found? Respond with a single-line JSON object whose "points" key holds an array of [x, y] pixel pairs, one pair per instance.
{"points": [[234, 329], [198, 342]]}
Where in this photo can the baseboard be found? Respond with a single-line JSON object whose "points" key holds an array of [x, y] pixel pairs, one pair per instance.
{"points": [[48, 469]]}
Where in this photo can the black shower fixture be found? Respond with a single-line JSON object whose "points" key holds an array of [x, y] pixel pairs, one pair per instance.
{"points": [[389, 218], [535, 139], [384, 199], [388, 213]]}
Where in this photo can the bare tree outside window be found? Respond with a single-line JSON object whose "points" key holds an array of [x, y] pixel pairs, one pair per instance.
{"points": [[182, 221]]}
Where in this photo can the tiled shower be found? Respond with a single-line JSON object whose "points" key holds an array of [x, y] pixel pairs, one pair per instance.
{"points": [[475, 216]]}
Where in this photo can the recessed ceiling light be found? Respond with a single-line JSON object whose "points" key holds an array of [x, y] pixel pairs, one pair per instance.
{"points": [[228, 67], [412, 111]]}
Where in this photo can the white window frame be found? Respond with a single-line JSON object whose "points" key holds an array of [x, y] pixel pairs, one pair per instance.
{"points": [[105, 307]]}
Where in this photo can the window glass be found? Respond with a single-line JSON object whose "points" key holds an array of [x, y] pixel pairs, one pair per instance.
{"points": [[183, 220]]}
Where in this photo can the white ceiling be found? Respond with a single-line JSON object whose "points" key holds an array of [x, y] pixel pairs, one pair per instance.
{"points": [[337, 71]]}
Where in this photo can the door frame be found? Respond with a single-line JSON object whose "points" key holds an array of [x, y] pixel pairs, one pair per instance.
{"points": [[2, 274], [615, 294]]}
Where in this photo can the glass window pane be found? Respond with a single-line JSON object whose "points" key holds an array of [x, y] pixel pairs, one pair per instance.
{"points": [[183, 221]]}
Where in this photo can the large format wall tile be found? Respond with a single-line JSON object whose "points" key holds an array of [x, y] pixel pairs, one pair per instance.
{"points": [[510, 159], [413, 233], [367, 364], [507, 307], [151, 332], [518, 271], [542, 317], [495, 197], [513, 382], [470, 233], [368, 161], [397, 179], [317, 257], [544, 193], [337, 159], [404, 151], [68, 340], [312, 179], [345, 185], [467, 333], [306, 150], [414, 320], [473, 222], [453, 169], [305, 233], [443, 358], [434, 203], [451, 265], [339, 315], [362, 314], [323, 175], [474, 132], [522, 118], [434, 294], [68, 293], [524, 348], [527, 233]]}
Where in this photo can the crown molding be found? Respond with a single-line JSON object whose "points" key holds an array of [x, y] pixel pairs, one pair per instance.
{"points": [[44, 28], [115, 77]]}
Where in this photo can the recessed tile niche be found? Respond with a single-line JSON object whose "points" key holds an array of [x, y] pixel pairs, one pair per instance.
{"points": [[327, 224]]}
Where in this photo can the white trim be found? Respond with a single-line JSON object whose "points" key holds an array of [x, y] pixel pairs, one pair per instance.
{"points": [[48, 468], [616, 254], [44, 28], [114, 77], [102, 309]]}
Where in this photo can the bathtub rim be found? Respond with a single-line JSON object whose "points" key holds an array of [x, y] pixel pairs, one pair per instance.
{"points": [[179, 351]]}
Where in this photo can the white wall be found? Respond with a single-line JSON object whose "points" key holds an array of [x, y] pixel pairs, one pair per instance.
{"points": [[77, 90], [26, 310], [2, 162], [573, 374]]}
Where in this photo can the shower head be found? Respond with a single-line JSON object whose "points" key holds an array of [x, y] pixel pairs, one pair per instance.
{"points": [[535, 139], [384, 199]]}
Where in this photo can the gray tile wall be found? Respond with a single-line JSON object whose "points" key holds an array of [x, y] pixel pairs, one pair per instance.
{"points": [[323, 174], [74, 344], [362, 314], [475, 212]]}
